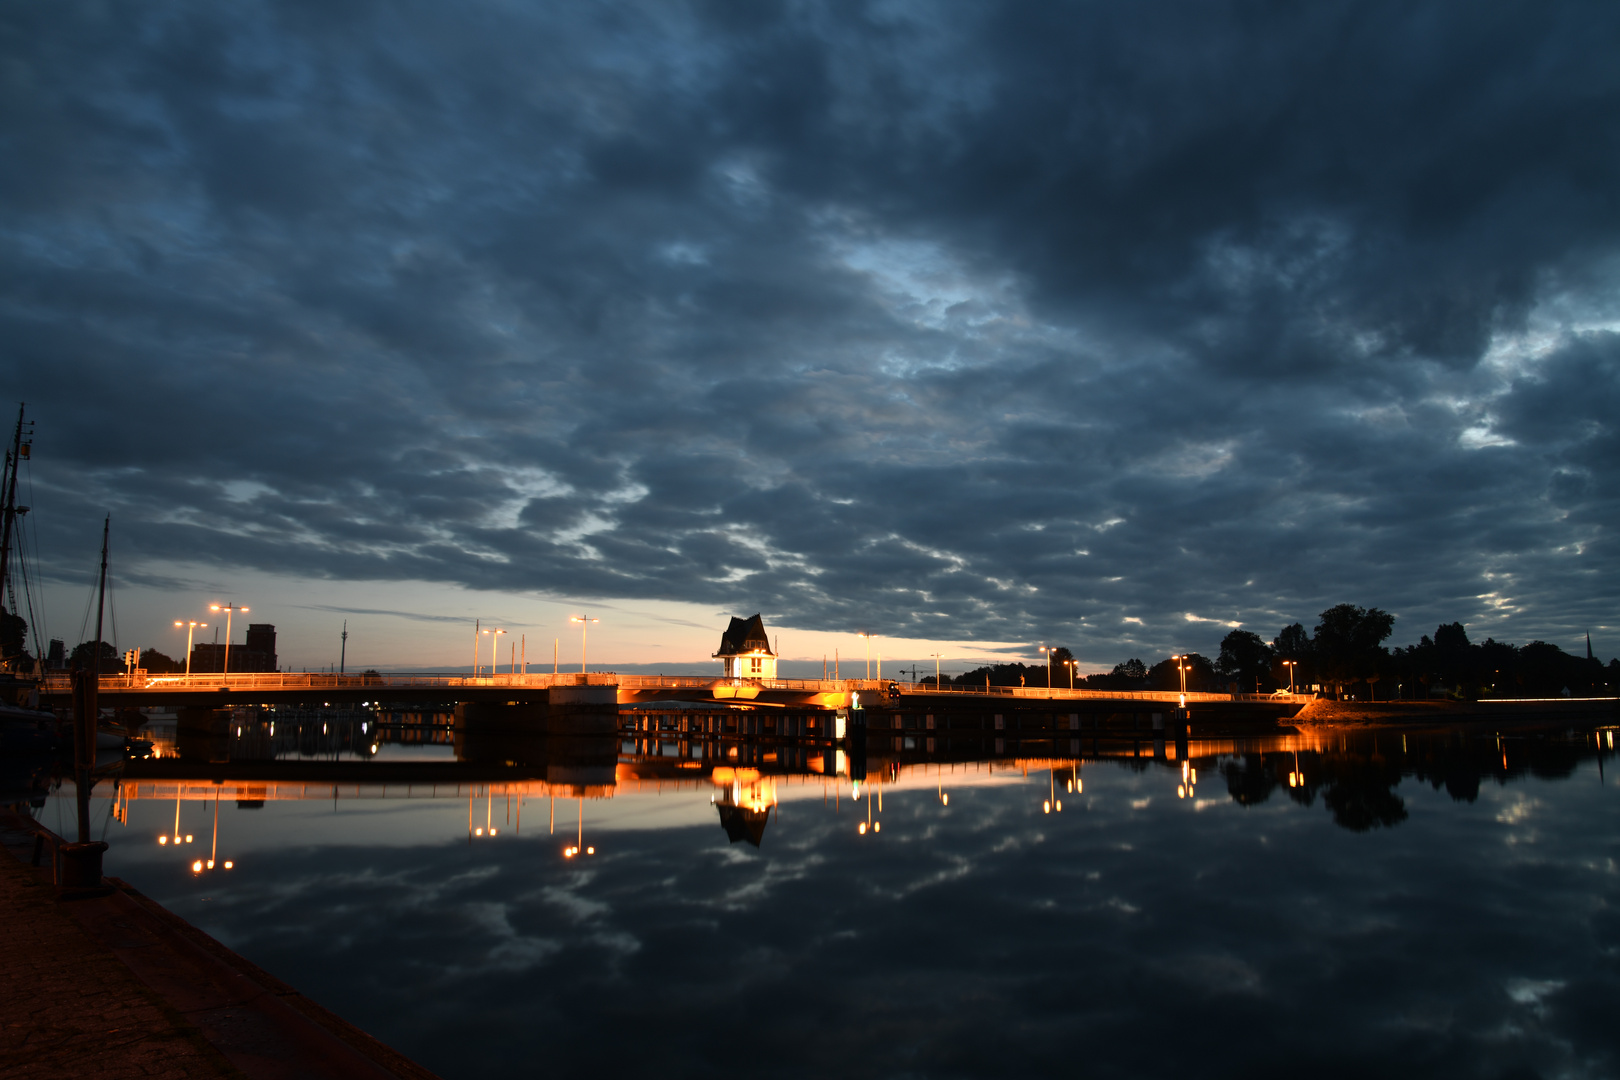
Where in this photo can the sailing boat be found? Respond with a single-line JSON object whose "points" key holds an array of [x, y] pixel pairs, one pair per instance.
{"points": [[26, 730]]}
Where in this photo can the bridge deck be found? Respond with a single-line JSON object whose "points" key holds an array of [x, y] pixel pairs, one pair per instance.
{"points": [[307, 686]]}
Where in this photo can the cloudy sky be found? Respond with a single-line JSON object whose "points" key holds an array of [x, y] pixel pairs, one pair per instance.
{"points": [[970, 325]]}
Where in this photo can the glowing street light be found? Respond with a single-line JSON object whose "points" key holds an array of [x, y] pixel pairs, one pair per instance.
{"points": [[1071, 665], [198, 866], [579, 842], [584, 628], [493, 634], [191, 628], [1048, 653], [178, 837], [1181, 666], [488, 828], [1290, 664], [229, 610]]}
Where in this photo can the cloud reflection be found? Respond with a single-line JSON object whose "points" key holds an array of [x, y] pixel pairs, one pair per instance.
{"points": [[1128, 935]]}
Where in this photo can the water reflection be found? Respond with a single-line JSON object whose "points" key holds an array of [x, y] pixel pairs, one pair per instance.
{"points": [[1429, 902]]}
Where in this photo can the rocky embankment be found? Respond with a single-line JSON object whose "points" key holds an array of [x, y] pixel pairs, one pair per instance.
{"points": [[1368, 713]]}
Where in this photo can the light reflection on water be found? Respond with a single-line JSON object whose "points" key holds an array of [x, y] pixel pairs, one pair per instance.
{"points": [[1423, 903]]}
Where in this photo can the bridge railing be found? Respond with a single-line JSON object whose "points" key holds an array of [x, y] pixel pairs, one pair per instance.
{"points": [[1059, 693], [308, 680], [247, 682]]}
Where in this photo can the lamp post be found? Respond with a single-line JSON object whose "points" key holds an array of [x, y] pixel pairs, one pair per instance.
{"points": [[1071, 665], [1181, 666], [191, 628], [229, 610], [584, 628], [493, 634], [1048, 653], [1290, 665], [868, 639], [197, 865], [936, 657]]}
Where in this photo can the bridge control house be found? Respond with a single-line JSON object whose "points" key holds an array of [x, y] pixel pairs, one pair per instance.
{"points": [[746, 650]]}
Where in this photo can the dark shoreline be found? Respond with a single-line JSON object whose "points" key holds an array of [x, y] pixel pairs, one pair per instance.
{"points": [[1325, 712], [228, 1016]]}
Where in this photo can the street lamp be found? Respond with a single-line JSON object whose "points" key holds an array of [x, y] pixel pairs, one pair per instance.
{"points": [[868, 639], [584, 628], [1049, 654], [493, 634], [1181, 666], [1071, 665], [198, 865], [191, 628], [1290, 665], [936, 657], [178, 837], [229, 610]]}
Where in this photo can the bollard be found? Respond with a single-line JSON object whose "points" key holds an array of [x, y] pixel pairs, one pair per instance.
{"points": [[81, 864]]}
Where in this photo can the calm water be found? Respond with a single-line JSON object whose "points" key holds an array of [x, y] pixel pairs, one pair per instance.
{"points": [[1438, 904]]}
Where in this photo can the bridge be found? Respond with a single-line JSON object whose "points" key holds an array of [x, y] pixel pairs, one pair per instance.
{"points": [[314, 688]]}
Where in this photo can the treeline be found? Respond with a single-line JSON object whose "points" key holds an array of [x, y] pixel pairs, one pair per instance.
{"points": [[1344, 655], [112, 661]]}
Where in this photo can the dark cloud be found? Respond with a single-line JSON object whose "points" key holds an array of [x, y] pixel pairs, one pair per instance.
{"points": [[997, 321]]}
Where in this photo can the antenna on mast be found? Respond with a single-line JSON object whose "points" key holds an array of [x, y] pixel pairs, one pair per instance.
{"points": [[343, 653]]}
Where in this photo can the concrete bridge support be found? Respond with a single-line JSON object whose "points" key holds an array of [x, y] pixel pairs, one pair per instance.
{"points": [[567, 710], [583, 710]]}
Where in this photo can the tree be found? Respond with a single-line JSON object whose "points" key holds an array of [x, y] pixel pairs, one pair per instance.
{"points": [[1130, 675], [1347, 643], [1245, 657], [84, 656], [1292, 643], [1200, 674], [159, 664]]}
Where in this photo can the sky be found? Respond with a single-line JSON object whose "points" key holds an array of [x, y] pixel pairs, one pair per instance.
{"points": [[971, 326]]}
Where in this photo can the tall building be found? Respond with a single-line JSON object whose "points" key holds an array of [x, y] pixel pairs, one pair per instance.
{"points": [[258, 654], [261, 639]]}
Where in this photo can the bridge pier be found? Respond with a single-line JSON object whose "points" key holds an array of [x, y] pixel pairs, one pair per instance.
{"points": [[567, 710]]}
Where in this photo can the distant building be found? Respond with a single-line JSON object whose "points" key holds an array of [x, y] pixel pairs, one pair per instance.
{"points": [[261, 639], [258, 654], [56, 658], [745, 650]]}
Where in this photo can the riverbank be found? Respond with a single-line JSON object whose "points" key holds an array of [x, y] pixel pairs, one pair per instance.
{"points": [[108, 983], [1325, 712]]}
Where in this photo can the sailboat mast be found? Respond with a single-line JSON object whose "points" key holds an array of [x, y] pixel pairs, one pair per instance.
{"points": [[9, 480], [87, 708]]}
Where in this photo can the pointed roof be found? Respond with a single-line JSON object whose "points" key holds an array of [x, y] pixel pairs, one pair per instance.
{"points": [[745, 636], [741, 823]]}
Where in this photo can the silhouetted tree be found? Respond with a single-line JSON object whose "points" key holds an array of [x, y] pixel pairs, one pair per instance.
{"points": [[1292, 643], [13, 636], [1347, 644], [1251, 782], [1130, 675], [1200, 674], [1362, 798], [1003, 675], [84, 655], [160, 664], [1245, 658]]}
